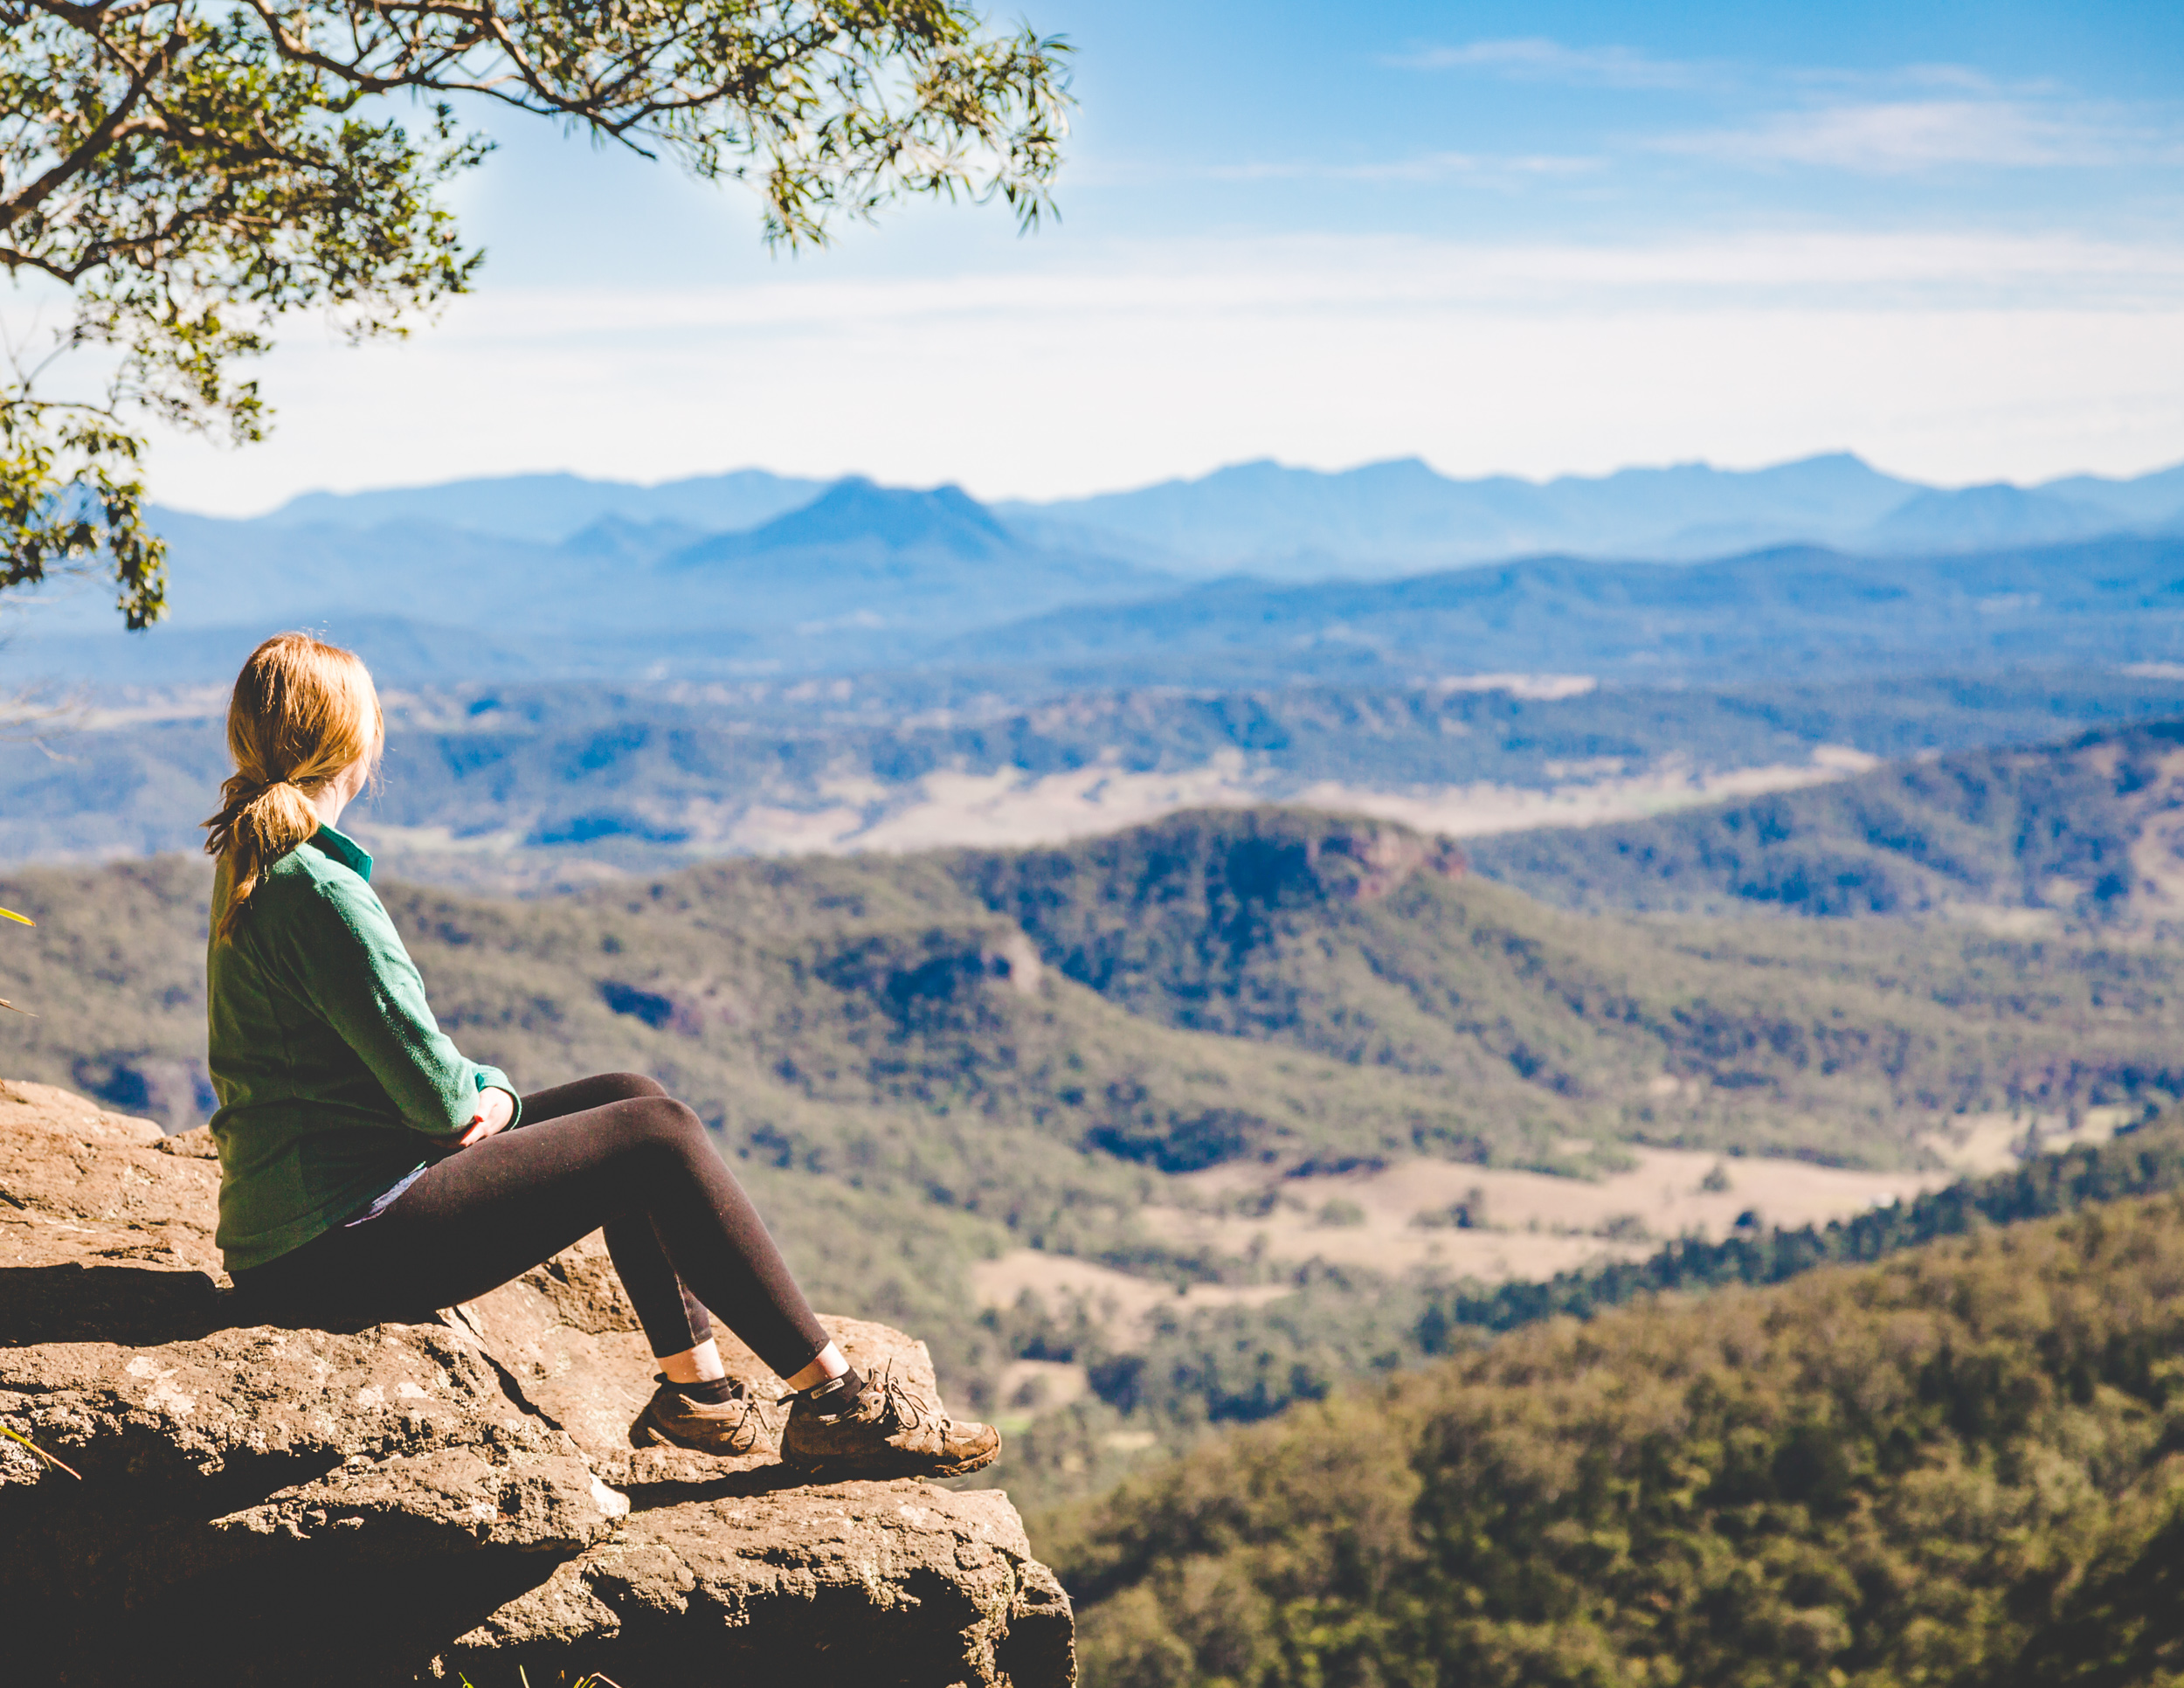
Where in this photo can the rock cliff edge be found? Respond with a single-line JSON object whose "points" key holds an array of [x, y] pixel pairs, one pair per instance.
{"points": [[419, 1502]]}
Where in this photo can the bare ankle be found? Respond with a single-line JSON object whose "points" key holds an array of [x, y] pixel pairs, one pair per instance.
{"points": [[827, 1363], [698, 1365]]}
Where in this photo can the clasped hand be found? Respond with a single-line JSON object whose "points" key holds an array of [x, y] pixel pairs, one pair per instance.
{"points": [[495, 1109]]}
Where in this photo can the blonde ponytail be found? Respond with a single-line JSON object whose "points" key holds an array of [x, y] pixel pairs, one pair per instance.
{"points": [[303, 713]]}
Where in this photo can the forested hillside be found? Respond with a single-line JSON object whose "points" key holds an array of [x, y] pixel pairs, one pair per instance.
{"points": [[1957, 1467], [2091, 831], [916, 1076], [1356, 943]]}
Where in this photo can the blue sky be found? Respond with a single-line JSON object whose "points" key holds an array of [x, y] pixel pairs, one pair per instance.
{"points": [[1537, 239]]}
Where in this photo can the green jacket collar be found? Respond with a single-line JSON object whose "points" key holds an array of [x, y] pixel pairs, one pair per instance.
{"points": [[345, 850]]}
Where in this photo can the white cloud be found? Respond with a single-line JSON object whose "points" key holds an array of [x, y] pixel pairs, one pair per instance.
{"points": [[1901, 137], [1955, 358], [1536, 60]]}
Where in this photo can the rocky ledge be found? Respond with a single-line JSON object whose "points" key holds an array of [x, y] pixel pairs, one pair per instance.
{"points": [[252, 1504]]}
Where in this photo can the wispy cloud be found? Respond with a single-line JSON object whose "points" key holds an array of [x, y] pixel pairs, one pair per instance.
{"points": [[1537, 59], [1905, 137], [1893, 121], [1482, 168]]}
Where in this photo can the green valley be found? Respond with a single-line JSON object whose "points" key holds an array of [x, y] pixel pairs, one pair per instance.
{"points": [[921, 1063]]}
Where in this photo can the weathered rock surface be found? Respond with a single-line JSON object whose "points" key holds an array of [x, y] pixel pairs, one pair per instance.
{"points": [[256, 1505]]}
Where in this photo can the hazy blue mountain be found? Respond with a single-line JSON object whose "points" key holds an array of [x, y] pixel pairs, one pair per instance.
{"points": [[1982, 518], [1778, 613], [1391, 517], [259, 573], [876, 557], [863, 574], [854, 518], [548, 508], [1401, 517], [618, 539], [2155, 500], [400, 650]]}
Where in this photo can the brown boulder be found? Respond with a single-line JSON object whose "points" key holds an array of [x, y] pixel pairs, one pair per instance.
{"points": [[421, 1501]]}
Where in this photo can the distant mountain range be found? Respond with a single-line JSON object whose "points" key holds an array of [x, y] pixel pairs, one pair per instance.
{"points": [[548, 509], [1795, 611], [852, 573], [1400, 516], [1334, 575]]}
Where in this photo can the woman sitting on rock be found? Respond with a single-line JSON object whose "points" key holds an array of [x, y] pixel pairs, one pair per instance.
{"points": [[369, 1172]]}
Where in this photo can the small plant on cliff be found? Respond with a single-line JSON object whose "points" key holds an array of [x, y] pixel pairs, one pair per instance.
{"points": [[10, 913], [60, 1464]]}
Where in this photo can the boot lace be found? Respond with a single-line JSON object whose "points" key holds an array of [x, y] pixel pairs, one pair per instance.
{"points": [[905, 1410], [897, 1408], [754, 1414]]}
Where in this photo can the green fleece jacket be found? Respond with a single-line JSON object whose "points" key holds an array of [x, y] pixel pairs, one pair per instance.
{"points": [[334, 1079]]}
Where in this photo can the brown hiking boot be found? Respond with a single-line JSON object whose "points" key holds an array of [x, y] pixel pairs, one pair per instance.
{"points": [[885, 1432], [726, 1429]]}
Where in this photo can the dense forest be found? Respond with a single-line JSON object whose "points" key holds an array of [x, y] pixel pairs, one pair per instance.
{"points": [[1958, 1467]]}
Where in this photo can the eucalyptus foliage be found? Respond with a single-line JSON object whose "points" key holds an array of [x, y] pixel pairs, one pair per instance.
{"points": [[189, 171]]}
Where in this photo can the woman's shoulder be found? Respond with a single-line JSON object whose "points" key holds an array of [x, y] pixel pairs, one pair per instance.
{"points": [[305, 879]]}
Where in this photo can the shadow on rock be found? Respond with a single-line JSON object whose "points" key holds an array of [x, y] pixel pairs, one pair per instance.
{"points": [[134, 1306], [734, 1485], [147, 1307]]}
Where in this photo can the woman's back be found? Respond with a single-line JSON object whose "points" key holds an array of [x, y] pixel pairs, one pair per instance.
{"points": [[323, 1051]]}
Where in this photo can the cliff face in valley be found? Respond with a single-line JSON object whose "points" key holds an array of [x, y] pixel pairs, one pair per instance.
{"points": [[256, 1505]]}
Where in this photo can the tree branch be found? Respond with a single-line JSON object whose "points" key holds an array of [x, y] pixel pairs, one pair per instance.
{"points": [[109, 130]]}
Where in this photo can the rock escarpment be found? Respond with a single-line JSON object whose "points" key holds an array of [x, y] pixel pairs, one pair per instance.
{"points": [[455, 1500]]}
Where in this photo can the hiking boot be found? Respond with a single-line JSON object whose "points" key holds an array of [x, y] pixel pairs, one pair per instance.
{"points": [[726, 1429], [884, 1432]]}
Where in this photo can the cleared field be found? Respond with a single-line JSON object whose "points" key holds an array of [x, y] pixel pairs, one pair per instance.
{"points": [[1991, 1143], [1472, 1221], [1513, 1224], [1122, 1304], [1011, 807]]}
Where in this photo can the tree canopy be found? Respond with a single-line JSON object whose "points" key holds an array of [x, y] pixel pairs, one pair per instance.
{"points": [[185, 172]]}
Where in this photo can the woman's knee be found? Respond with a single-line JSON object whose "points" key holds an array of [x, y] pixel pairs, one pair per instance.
{"points": [[630, 1086], [666, 1123]]}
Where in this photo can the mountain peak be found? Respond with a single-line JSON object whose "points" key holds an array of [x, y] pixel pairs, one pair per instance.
{"points": [[1971, 518], [859, 512]]}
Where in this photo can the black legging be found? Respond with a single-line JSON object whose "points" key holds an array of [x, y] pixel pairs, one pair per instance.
{"points": [[614, 1151]]}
